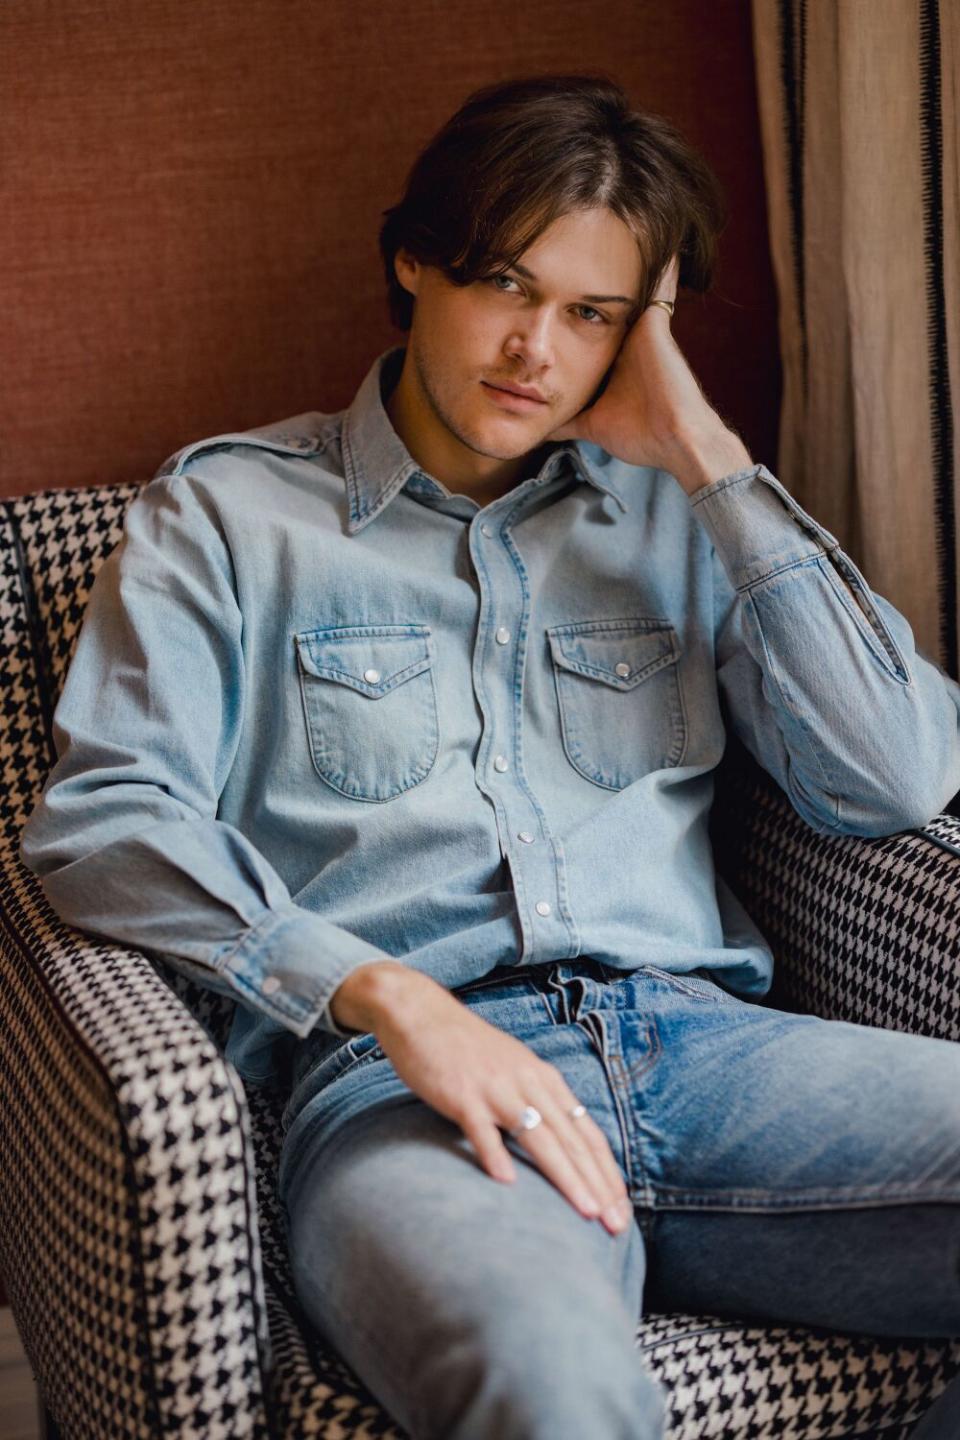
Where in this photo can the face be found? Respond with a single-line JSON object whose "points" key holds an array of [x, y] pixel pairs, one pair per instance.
{"points": [[552, 323]]}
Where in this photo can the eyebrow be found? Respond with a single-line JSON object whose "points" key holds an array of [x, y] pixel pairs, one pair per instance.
{"points": [[593, 299]]}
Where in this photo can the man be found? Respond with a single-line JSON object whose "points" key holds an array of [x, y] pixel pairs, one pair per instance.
{"points": [[398, 725]]}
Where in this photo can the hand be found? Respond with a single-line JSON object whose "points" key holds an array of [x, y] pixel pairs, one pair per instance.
{"points": [[653, 411], [481, 1078]]}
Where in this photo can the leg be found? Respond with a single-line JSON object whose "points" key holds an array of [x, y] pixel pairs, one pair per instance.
{"points": [[470, 1308], [804, 1169], [788, 1168]]}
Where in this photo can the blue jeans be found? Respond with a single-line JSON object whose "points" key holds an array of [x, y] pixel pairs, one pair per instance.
{"points": [[783, 1168]]}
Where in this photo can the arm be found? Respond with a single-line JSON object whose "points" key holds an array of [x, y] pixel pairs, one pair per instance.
{"points": [[125, 839], [821, 677]]}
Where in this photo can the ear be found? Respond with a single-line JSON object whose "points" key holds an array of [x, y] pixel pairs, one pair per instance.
{"points": [[407, 271]]}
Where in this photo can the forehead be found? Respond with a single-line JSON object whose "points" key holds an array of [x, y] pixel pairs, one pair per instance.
{"points": [[591, 249]]}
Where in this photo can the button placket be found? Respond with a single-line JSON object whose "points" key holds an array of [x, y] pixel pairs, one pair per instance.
{"points": [[500, 573]]}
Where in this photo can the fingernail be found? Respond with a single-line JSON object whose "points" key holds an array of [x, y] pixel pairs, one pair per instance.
{"points": [[617, 1216]]}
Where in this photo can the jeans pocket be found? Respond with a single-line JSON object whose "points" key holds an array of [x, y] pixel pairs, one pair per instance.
{"points": [[619, 697], [370, 707]]}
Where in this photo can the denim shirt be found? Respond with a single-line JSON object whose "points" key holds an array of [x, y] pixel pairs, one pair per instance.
{"points": [[324, 711]]}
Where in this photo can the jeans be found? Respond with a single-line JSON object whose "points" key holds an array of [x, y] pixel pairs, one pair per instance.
{"points": [[783, 1168]]}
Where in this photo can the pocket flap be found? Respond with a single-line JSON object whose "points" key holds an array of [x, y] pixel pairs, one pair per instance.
{"points": [[621, 653], [372, 659]]}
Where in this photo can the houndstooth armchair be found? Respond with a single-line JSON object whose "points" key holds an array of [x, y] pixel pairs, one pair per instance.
{"points": [[140, 1237]]}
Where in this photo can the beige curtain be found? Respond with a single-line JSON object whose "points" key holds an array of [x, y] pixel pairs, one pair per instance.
{"points": [[859, 120]]}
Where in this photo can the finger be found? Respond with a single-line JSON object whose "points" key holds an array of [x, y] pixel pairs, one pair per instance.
{"points": [[548, 1153], [671, 275], [484, 1135], [589, 1150], [589, 1134], [667, 284], [565, 1159]]}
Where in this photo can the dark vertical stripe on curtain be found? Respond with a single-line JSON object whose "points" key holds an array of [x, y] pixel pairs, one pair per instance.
{"points": [[931, 161], [793, 37]]}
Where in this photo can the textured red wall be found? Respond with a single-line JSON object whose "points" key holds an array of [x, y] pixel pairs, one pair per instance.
{"points": [[192, 195]]}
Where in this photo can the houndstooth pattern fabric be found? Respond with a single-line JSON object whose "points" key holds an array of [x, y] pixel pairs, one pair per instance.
{"points": [[140, 1233], [128, 1221], [864, 930]]}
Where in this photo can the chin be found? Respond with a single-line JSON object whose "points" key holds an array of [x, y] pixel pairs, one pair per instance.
{"points": [[501, 441], [510, 449]]}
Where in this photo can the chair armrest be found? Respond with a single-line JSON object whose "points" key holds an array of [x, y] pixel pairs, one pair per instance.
{"points": [[864, 930], [129, 1237]]}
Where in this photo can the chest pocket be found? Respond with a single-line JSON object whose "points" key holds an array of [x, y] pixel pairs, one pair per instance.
{"points": [[619, 697], [370, 706]]}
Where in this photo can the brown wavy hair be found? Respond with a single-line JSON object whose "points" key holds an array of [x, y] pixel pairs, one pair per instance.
{"points": [[519, 154]]}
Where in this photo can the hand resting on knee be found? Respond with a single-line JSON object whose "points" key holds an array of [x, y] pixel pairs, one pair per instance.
{"points": [[481, 1078]]}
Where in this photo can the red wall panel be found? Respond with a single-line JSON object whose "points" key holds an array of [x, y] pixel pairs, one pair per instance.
{"points": [[192, 195]]}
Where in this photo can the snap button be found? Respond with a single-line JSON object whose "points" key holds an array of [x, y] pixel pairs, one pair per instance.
{"points": [[623, 668], [485, 530], [543, 907], [503, 635], [371, 676], [271, 985], [525, 836], [501, 762]]}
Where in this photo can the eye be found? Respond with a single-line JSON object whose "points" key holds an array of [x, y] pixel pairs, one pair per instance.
{"points": [[600, 318], [492, 280]]}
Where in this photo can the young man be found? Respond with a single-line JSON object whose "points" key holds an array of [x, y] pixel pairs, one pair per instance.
{"points": [[398, 725]]}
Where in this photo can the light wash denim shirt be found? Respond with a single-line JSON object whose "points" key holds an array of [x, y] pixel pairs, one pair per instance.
{"points": [[324, 711]]}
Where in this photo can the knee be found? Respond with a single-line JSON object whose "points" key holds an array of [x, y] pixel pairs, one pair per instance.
{"points": [[529, 1372]]}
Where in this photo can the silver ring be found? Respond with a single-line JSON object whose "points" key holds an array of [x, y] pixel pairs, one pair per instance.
{"points": [[577, 1111], [531, 1116]]}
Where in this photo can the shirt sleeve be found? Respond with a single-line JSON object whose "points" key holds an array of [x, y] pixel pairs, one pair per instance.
{"points": [[819, 675], [125, 838]]}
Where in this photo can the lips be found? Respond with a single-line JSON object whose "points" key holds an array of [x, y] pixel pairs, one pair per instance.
{"points": [[517, 392]]}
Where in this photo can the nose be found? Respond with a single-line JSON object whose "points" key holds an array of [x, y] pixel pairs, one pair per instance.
{"points": [[531, 342]]}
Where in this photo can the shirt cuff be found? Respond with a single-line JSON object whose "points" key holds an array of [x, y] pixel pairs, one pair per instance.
{"points": [[289, 964], [756, 526]]}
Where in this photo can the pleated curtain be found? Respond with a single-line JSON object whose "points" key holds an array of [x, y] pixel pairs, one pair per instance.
{"points": [[859, 122]]}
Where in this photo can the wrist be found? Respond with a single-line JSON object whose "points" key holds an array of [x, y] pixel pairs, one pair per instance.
{"points": [[697, 461], [371, 992]]}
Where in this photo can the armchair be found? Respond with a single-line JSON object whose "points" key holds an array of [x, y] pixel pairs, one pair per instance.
{"points": [[140, 1235]]}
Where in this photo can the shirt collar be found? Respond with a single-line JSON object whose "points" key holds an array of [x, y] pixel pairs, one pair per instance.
{"points": [[377, 464]]}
